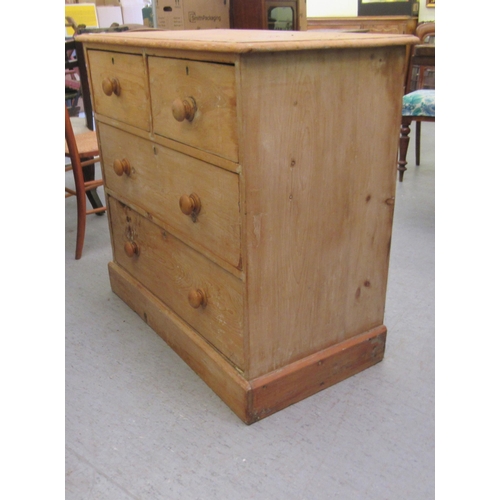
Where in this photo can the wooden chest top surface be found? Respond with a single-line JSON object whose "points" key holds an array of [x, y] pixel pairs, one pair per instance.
{"points": [[244, 41]]}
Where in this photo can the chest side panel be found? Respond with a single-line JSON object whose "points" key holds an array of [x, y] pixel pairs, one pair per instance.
{"points": [[321, 131]]}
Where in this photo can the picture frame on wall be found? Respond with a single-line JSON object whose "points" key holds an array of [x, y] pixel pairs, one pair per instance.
{"points": [[430, 3], [388, 7]]}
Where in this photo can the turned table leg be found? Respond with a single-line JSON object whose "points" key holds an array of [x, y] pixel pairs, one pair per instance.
{"points": [[404, 141]]}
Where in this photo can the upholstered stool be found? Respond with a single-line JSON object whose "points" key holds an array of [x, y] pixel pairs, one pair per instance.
{"points": [[418, 106]]}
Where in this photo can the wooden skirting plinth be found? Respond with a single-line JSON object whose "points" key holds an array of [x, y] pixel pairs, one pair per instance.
{"points": [[258, 398], [306, 377]]}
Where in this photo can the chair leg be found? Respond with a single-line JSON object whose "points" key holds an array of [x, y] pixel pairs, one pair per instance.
{"points": [[404, 141], [417, 143], [93, 197], [81, 206]]}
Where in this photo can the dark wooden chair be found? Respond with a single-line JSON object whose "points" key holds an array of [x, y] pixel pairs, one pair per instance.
{"points": [[83, 152], [419, 102], [77, 77], [420, 74]]}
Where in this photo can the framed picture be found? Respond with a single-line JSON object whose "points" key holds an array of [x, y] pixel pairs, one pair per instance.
{"points": [[388, 7], [430, 3]]}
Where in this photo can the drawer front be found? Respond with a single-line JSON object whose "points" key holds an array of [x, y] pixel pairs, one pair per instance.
{"points": [[164, 182], [123, 77], [201, 293], [195, 103]]}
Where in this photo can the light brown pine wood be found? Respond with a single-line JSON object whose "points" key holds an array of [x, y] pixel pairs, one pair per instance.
{"points": [[251, 222], [173, 271], [281, 388], [160, 177], [131, 105], [319, 197], [229, 42], [195, 103]]}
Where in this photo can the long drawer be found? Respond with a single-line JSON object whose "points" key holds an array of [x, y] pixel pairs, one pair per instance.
{"points": [[200, 292], [198, 201], [119, 87], [195, 103]]}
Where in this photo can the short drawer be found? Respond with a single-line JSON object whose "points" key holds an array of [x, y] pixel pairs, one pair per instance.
{"points": [[201, 293], [119, 87], [195, 103], [197, 201]]}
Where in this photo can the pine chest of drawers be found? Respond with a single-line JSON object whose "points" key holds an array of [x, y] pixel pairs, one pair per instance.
{"points": [[250, 180]]}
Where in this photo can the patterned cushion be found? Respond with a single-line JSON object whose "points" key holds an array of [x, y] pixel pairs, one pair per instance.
{"points": [[420, 103]]}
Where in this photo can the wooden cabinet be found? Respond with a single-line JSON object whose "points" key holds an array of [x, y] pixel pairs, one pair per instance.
{"points": [[372, 24], [268, 14], [250, 180]]}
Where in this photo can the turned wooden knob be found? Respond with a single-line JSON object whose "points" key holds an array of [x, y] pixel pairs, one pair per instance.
{"points": [[197, 298], [190, 205], [184, 109], [121, 167], [111, 86], [131, 248]]}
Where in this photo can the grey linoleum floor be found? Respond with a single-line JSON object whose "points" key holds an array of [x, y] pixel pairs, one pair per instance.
{"points": [[140, 424]]}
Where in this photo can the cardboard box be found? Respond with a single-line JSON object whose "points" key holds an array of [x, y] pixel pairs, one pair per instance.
{"points": [[191, 14]]}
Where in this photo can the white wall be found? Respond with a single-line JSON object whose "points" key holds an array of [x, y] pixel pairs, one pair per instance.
{"points": [[425, 14], [335, 8], [349, 8]]}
